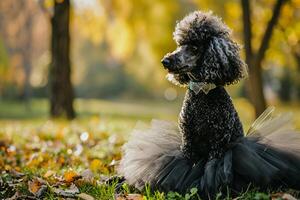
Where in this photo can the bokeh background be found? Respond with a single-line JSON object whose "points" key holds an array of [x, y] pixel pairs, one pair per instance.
{"points": [[77, 75], [115, 52]]}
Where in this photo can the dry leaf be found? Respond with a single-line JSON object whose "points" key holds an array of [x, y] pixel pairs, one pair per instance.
{"points": [[71, 176], [34, 186], [41, 191], [71, 192], [85, 196], [37, 187], [288, 197], [130, 197], [16, 174], [283, 196], [49, 173], [87, 175]]}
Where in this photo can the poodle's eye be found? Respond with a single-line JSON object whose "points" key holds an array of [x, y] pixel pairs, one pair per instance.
{"points": [[194, 48]]}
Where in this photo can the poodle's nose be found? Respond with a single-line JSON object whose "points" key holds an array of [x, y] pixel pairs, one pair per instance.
{"points": [[166, 62]]}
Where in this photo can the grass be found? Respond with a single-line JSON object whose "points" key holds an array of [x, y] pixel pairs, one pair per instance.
{"points": [[55, 152]]}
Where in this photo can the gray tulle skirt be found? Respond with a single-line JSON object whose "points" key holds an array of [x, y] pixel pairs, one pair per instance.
{"points": [[268, 157]]}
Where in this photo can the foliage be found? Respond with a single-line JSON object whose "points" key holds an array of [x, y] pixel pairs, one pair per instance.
{"points": [[143, 20], [125, 41], [53, 159]]}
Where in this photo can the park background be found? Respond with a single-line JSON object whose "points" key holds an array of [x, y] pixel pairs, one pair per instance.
{"points": [[76, 76]]}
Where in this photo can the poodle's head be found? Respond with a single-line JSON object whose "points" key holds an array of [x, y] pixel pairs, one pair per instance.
{"points": [[205, 53]]}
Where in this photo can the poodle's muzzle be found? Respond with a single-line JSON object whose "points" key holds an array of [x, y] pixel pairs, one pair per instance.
{"points": [[182, 60], [173, 64], [170, 62]]}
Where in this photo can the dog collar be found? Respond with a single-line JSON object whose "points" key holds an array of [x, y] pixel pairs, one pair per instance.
{"points": [[195, 86], [198, 86]]}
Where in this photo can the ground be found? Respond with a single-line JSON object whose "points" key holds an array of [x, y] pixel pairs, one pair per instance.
{"points": [[58, 159]]}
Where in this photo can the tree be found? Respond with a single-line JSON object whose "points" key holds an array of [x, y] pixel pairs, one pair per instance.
{"points": [[17, 33], [254, 59], [61, 90]]}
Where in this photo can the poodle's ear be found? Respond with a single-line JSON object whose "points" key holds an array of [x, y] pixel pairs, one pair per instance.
{"points": [[222, 62]]}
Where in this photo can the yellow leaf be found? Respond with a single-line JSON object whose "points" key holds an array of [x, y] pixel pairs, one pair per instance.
{"points": [[70, 176], [7, 167], [61, 160], [34, 186], [95, 164]]}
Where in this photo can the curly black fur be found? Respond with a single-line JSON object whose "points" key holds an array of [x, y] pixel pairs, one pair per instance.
{"points": [[208, 122], [206, 52]]}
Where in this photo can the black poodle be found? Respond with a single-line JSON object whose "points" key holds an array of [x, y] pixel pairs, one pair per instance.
{"points": [[208, 150]]}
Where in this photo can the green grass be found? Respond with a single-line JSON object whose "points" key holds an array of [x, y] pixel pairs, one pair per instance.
{"points": [[38, 108], [33, 144]]}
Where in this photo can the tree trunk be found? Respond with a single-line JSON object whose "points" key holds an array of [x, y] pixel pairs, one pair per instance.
{"points": [[254, 60], [61, 90], [256, 89], [27, 56], [296, 54]]}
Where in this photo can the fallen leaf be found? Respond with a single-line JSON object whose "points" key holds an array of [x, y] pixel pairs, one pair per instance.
{"points": [[130, 197], [34, 186], [37, 187], [87, 175], [41, 191], [283, 196], [61, 160], [16, 174], [95, 165], [288, 197], [85, 196], [71, 192], [49, 173], [71, 176]]}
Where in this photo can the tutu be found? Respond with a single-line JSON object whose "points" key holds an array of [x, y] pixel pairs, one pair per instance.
{"points": [[208, 150], [268, 156]]}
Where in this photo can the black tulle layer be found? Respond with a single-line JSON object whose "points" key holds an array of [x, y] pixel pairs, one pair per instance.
{"points": [[247, 163], [269, 158]]}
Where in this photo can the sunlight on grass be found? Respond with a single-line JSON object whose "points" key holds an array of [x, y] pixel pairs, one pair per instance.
{"points": [[59, 151]]}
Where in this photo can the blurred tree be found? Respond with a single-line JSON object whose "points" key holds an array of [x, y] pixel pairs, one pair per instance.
{"points": [[254, 59], [61, 90], [290, 32], [123, 34], [3, 66], [296, 54], [284, 36], [295, 50], [17, 30], [286, 85]]}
